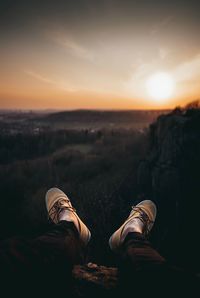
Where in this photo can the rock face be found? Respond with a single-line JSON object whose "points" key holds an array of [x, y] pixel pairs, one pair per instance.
{"points": [[170, 175], [92, 280]]}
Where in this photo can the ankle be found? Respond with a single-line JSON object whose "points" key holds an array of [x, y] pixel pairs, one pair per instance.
{"points": [[134, 226], [66, 215]]}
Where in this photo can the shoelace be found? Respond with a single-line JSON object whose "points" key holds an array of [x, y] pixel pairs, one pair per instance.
{"points": [[144, 218], [58, 207]]}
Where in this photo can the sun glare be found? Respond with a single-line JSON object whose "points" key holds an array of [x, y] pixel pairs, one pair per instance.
{"points": [[160, 86]]}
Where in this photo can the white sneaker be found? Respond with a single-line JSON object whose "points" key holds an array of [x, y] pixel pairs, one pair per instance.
{"points": [[141, 220], [56, 202]]}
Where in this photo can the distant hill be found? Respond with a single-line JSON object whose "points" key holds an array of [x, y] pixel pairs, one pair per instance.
{"points": [[97, 115], [103, 119]]}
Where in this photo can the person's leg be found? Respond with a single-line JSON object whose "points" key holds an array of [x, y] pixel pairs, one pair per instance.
{"points": [[136, 227], [150, 274], [138, 252], [60, 242], [39, 262], [61, 246], [143, 270], [51, 256], [130, 242], [141, 266]]}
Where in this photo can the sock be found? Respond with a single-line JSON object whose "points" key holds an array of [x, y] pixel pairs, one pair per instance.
{"points": [[66, 215], [135, 225]]}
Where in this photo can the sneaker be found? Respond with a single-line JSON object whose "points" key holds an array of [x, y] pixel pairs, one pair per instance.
{"points": [[141, 220], [57, 203]]}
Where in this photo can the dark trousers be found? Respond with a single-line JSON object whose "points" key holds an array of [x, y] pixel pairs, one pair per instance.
{"points": [[145, 273], [44, 265]]}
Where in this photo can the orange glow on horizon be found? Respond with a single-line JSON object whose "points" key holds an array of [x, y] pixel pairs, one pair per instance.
{"points": [[55, 100]]}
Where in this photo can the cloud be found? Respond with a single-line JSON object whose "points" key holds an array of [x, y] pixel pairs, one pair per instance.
{"points": [[59, 84], [73, 46], [78, 50], [136, 83], [157, 28], [188, 70], [40, 77]]}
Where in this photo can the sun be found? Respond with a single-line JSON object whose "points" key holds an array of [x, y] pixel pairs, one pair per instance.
{"points": [[160, 86]]}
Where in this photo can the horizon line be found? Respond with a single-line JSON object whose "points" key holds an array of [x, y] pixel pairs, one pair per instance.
{"points": [[82, 109]]}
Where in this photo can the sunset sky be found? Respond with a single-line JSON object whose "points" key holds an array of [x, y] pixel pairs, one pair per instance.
{"points": [[97, 54]]}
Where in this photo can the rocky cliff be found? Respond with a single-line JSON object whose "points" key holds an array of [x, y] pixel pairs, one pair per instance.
{"points": [[170, 175]]}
